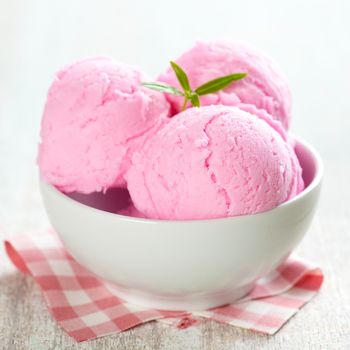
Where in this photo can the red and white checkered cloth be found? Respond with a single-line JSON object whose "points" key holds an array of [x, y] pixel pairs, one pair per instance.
{"points": [[86, 308]]}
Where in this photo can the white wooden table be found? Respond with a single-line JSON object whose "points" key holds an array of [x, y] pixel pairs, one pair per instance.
{"points": [[309, 40]]}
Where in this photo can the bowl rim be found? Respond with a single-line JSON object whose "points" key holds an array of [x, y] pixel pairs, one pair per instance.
{"points": [[319, 169]]}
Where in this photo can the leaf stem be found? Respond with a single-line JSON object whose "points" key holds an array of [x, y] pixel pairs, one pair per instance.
{"points": [[185, 103]]}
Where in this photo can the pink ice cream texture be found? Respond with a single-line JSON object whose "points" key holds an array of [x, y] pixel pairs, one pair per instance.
{"points": [[131, 211], [96, 115], [265, 86], [213, 162]]}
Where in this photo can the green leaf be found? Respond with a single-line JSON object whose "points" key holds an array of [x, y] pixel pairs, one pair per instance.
{"points": [[195, 100], [218, 83], [163, 88], [181, 76]]}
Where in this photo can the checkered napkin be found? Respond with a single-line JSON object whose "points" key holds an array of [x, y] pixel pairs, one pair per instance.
{"points": [[86, 308]]}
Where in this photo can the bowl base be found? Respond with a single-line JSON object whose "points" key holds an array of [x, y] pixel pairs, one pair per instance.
{"points": [[187, 302]]}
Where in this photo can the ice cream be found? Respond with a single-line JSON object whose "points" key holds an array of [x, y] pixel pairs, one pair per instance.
{"points": [[96, 115], [265, 86], [213, 162], [132, 212]]}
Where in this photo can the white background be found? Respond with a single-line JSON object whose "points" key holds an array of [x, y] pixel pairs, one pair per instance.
{"points": [[311, 42]]}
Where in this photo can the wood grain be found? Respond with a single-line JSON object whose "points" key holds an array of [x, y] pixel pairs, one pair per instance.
{"points": [[36, 38]]}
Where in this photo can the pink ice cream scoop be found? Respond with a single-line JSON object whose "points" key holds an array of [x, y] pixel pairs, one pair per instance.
{"points": [[131, 211], [213, 162], [265, 86], [96, 115]]}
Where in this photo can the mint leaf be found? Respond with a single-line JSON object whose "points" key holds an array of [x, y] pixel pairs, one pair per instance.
{"points": [[163, 88], [195, 100], [218, 83], [181, 76], [188, 94]]}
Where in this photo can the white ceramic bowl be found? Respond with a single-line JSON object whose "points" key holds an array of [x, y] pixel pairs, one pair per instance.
{"points": [[189, 265]]}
